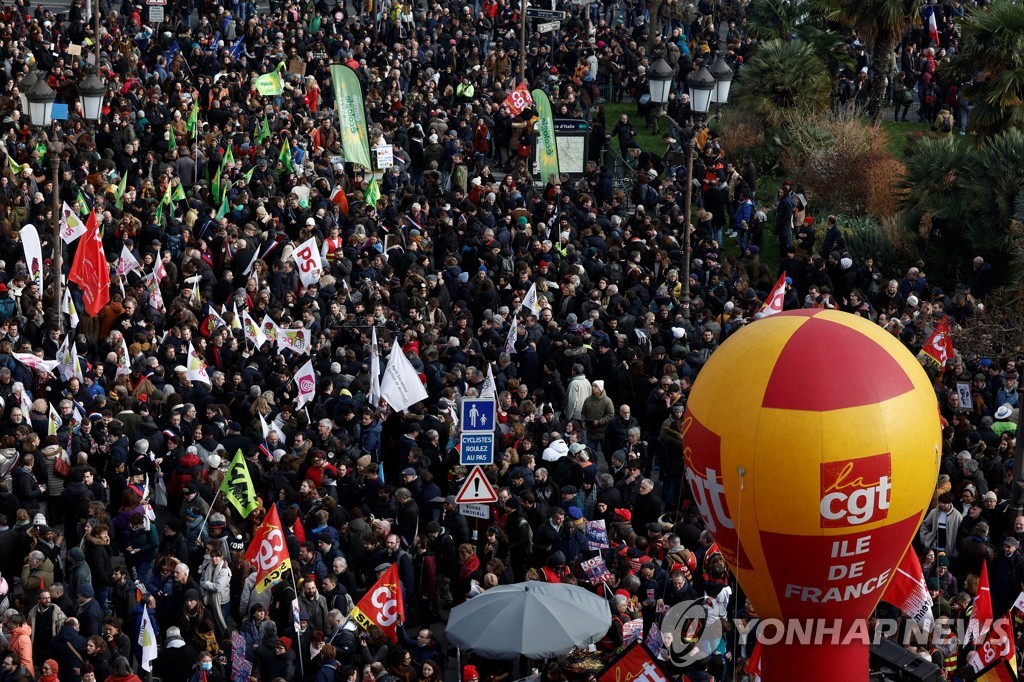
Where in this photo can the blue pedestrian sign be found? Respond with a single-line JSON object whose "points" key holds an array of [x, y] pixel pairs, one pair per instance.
{"points": [[477, 449], [478, 415]]}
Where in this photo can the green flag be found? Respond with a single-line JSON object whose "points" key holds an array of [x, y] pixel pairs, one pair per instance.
{"points": [[229, 157], [119, 192], [314, 24], [248, 176], [372, 193], [179, 193], [269, 84], [171, 142], [215, 186], [263, 133], [193, 118], [13, 165], [547, 148], [238, 488], [224, 207], [348, 96], [285, 156], [83, 205]]}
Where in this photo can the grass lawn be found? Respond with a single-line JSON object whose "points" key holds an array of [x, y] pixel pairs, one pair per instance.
{"points": [[647, 140]]}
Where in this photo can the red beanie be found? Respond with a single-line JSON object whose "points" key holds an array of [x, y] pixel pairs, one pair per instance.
{"points": [[469, 673]]}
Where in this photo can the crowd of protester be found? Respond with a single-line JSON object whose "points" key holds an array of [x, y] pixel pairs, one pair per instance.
{"points": [[108, 517]]}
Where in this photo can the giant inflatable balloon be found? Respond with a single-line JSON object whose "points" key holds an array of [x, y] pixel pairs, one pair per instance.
{"points": [[812, 445]]}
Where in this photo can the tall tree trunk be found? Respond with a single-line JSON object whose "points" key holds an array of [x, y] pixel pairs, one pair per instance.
{"points": [[881, 57]]}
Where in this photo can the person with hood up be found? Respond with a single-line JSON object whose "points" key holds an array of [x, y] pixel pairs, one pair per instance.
{"points": [[598, 412], [19, 637]]}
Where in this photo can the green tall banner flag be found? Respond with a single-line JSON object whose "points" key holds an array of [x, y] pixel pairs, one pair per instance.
{"points": [[248, 176], [238, 488], [215, 186], [179, 193], [83, 205], [547, 147], [172, 144], [229, 157], [269, 84], [348, 96]]}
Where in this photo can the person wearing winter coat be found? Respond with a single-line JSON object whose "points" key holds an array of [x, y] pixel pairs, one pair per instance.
{"points": [[598, 412], [578, 391], [215, 579], [99, 557], [76, 572], [141, 551], [19, 638]]}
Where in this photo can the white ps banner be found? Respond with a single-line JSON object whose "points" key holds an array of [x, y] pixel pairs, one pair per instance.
{"points": [[307, 259]]}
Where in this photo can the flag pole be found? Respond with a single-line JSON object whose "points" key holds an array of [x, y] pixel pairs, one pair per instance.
{"points": [[298, 636], [202, 527]]}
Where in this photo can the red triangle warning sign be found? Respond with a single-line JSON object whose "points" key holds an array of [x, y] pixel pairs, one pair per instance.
{"points": [[477, 489]]}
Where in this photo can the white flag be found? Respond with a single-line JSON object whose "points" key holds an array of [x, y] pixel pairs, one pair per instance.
{"points": [[236, 322], [308, 260], [197, 367], [513, 336], [160, 270], [54, 422], [255, 257], [33, 256], [773, 305], [270, 328], [26, 402], [530, 302], [374, 371], [294, 339], [127, 262], [76, 363], [71, 225], [488, 389], [147, 640], [124, 363], [36, 363], [218, 321], [305, 379], [67, 306], [401, 386], [253, 332], [272, 426], [65, 361]]}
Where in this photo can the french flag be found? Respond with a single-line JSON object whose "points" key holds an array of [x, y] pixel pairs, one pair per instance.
{"points": [[928, 13]]}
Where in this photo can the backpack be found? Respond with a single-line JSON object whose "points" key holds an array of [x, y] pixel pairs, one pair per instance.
{"points": [[946, 125]]}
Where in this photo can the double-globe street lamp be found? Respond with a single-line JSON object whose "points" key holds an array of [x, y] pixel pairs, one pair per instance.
{"points": [[707, 87]]}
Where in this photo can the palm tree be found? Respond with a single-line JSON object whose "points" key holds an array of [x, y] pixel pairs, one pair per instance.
{"points": [[990, 63], [881, 24], [782, 79]]}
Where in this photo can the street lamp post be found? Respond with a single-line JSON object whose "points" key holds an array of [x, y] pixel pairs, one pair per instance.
{"points": [[40, 106], [705, 87]]}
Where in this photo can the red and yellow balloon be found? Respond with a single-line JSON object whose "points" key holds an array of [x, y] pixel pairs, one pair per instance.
{"points": [[812, 445]]}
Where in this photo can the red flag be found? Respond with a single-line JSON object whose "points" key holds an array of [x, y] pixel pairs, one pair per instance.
{"points": [[939, 346], [90, 270], [907, 590], [773, 304], [383, 605], [519, 100], [268, 552], [338, 197], [754, 664], [995, 659], [981, 616]]}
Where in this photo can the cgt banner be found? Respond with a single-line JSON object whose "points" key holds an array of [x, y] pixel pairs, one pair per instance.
{"points": [[268, 552], [635, 664], [383, 605]]}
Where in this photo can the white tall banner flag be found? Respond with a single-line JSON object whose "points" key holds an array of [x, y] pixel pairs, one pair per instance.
{"points": [[76, 363], [197, 367], [401, 386], [308, 260], [270, 328], [530, 302], [305, 380], [67, 306], [33, 256], [124, 362], [217, 319], [54, 422], [488, 390], [147, 640], [127, 262], [374, 371], [71, 225]]}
